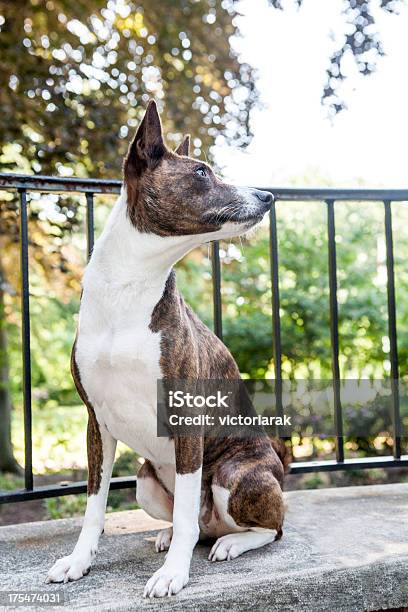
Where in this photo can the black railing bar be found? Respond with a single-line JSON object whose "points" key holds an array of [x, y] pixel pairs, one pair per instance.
{"points": [[305, 194], [360, 463], [216, 284], [71, 488], [301, 467], [334, 330], [276, 325], [392, 329], [61, 184], [32, 182], [25, 337], [90, 229]]}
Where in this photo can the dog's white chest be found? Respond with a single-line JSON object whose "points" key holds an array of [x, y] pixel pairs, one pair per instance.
{"points": [[118, 357]]}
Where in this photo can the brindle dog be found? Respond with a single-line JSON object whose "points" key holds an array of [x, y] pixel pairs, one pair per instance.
{"points": [[135, 328]]}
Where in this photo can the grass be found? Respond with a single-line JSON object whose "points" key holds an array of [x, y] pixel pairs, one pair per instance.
{"points": [[74, 505], [9, 482], [59, 439], [59, 446]]}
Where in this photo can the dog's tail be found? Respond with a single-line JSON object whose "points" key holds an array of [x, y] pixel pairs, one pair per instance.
{"points": [[282, 451]]}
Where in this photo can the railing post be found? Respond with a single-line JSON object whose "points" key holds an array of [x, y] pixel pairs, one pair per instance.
{"points": [[90, 230], [334, 330], [392, 331], [216, 281], [25, 315], [276, 327]]}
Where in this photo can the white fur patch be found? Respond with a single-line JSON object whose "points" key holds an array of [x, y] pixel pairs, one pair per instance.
{"points": [[163, 539], [77, 564], [230, 546], [174, 573], [220, 521]]}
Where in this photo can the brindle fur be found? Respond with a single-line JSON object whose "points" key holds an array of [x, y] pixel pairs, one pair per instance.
{"points": [[184, 147], [94, 440], [251, 469], [158, 180]]}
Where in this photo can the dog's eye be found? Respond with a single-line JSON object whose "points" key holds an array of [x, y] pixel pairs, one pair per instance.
{"points": [[201, 171]]}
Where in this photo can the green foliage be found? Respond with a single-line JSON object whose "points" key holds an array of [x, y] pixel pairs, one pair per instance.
{"points": [[59, 436], [125, 464], [314, 482], [65, 507], [304, 292], [74, 505], [10, 482], [51, 377]]}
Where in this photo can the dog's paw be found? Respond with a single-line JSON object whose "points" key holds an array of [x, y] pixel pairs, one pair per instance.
{"points": [[69, 568], [226, 548], [163, 539], [166, 581]]}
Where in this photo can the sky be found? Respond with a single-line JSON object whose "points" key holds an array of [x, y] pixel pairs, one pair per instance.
{"points": [[294, 141]]}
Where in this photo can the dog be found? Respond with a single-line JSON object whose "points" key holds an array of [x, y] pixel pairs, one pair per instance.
{"points": [[135, 329]]}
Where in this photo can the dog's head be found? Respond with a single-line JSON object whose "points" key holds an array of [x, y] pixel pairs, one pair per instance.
{"points": [[171, 194]]}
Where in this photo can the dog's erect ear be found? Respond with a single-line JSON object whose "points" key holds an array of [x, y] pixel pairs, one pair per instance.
{"points": [[184, 146], [147, 147]]}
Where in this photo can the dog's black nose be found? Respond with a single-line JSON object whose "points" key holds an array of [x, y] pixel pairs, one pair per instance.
{"points": [[263, 196]]}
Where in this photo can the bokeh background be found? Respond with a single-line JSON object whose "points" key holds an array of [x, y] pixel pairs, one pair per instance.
{"points": [[273, 93]]}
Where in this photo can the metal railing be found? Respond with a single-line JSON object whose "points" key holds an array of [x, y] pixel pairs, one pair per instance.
{"points": [[89, 187]]}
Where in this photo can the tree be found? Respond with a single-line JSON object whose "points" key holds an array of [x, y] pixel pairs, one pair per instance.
{"points": [[75, 77], [361, 39], [70, 70]]}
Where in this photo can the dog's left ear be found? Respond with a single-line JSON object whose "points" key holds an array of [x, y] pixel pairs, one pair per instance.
{"points": [[184, 146], [147, 147]]}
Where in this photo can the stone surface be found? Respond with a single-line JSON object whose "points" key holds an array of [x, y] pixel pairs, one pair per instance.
{"points": [[343, 549]]}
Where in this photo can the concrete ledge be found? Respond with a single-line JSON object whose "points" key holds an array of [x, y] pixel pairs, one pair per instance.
{"points": [[343, 549]]}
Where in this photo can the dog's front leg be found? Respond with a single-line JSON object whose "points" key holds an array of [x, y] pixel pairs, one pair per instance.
{"points": [[174, 573], [101, 454]]}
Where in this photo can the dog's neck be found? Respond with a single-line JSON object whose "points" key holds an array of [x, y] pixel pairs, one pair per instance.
{"points": [[125, 257]]}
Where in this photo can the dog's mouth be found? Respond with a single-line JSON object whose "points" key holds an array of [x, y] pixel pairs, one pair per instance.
{"points": [[239, 217], [251, 219], [254, 218]]}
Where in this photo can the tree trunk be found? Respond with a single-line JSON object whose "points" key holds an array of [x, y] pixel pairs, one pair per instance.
{"points": [[7, 460]]}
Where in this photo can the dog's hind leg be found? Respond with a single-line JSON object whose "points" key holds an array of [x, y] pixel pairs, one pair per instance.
{"points": [[101, 454], [232, 545], [251, 508], [163, 539], [156, 500]]}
